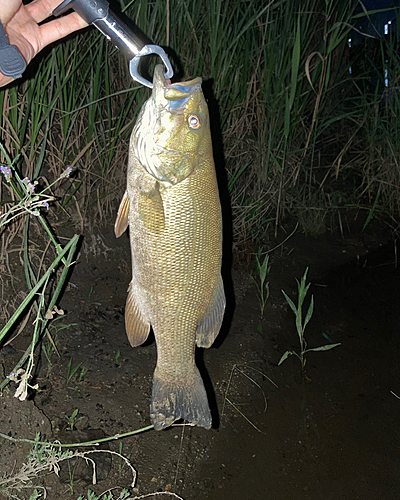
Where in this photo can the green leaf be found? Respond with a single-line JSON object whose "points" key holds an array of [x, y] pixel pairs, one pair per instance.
{"points": [[323, 347], [235, 177], [263, 269], [290, 302], [299, 326], [309, 312], [73, 371], [35, 495], [371, 212], [286, 123], [285, 356], [71, 244], [304, 277], [295, 65]]}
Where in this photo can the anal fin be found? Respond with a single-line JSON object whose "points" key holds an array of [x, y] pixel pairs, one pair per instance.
{"points": [[122, 220], [210, 323], [137, 328]]}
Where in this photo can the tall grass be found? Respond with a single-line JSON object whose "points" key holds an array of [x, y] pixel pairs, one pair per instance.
{"points": [[380, 170], [287, 107], [274, 66]]}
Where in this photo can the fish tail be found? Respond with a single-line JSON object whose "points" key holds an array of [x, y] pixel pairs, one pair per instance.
{"points": [[172, 401]]}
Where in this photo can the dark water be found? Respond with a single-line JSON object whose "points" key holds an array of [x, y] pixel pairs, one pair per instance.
{"points": [[336, 436]]}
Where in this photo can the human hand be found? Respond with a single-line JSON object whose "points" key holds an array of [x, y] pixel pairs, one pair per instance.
{"points": [[21, 23]]}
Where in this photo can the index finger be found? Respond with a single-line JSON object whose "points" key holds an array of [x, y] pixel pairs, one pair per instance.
{"points": [[40, 10], [60, 27]]}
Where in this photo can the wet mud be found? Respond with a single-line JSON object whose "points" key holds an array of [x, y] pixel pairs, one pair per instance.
{"points": [[331, 435]]}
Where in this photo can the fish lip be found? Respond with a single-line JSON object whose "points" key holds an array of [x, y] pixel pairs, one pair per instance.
{"points": [[189, 87], [195, 82], [161, 85]]}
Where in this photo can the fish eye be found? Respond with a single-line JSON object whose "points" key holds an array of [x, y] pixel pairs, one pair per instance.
{"points": [[194, 122]]}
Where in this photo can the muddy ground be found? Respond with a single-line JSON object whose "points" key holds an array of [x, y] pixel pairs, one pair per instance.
{"points": [[332, 436]]}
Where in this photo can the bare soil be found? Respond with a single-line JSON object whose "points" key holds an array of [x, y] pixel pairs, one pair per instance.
{"points": [[333, 435]]}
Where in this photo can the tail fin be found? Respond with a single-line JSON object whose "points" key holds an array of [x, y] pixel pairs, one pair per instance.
{"points": [[170, 402]]}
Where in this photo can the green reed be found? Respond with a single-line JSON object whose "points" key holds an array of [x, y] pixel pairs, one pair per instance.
{"points": [[263, 270], [301, 323]]}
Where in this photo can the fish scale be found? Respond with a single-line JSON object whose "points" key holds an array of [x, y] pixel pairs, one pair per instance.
{"points": [[174, 217]]}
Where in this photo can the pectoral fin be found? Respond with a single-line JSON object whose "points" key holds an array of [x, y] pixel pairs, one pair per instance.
{"points": [[209, 325], [122, 218], [151, 210], [137, 328]]}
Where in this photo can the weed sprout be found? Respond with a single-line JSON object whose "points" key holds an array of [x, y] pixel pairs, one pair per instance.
{"points": [[301, 324]]}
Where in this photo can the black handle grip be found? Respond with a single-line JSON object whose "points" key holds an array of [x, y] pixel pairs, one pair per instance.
{"points": [[11, 61]]}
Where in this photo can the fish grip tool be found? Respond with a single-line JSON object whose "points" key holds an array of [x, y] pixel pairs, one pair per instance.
{"points": [[134, 44]]}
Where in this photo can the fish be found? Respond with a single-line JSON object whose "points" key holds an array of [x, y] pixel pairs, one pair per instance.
{"points": [[173, 211]]}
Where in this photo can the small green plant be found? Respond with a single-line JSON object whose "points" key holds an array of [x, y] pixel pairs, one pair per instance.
{"points": [[36, 494], [82, 374], [78, 372], [49, 346], [71, 371], [121, 461], [109, 495], [73, 419], [302, 290], [263, 269], [48, 349], [117, 356]]}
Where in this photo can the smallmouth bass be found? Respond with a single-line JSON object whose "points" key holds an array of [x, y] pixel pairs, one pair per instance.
{"points": [[173, 211]]}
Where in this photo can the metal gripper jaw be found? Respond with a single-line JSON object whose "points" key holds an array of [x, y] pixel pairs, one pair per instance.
{"points": [[134, 44]]}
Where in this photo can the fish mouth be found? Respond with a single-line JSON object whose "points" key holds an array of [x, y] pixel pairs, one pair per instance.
{"points": [[174, 95], [188, 87]]}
